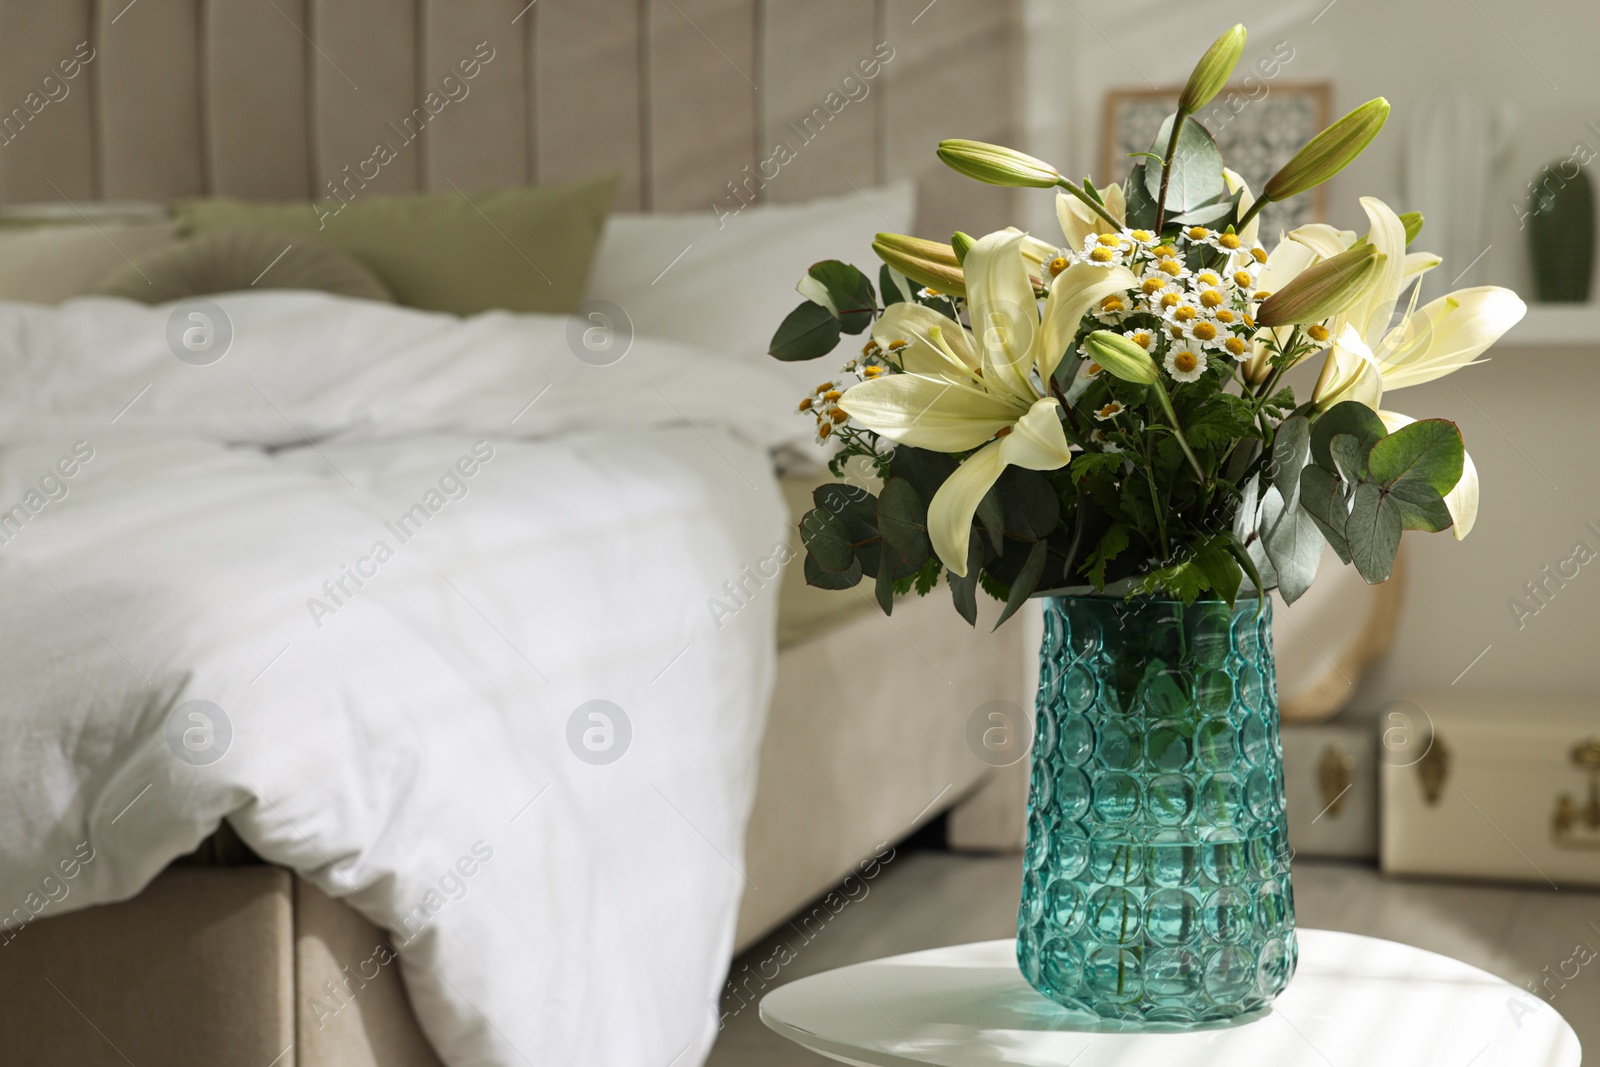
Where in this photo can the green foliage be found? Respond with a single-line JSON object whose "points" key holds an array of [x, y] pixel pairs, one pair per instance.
{"points": [[1197, 179], [809, 332]]}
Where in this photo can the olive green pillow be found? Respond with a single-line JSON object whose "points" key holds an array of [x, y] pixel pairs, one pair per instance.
{"points": [[230, 261], [519, 248]]}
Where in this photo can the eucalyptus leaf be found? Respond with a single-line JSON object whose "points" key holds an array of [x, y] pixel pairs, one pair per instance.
{"points": [[850, 291], [1322, 497], [1291, 449], [1141, 204], [883, 588], [903, 521], [1293, 542], [1349, 458], [809, 332], [1196, 168], [1426, 452], [1351, 417], [1026, 582], [1205, 213], [964, 590], [888, 289], [821, 579], [1373, 530], [992, 517], [1222, 572], [827, 540], [1032, 509]]}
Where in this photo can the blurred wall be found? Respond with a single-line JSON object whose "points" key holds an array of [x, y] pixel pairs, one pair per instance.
{"points": [[1529, 415]]}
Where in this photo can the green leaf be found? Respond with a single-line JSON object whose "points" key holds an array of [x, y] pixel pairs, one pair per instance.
{"points": [[883, 588], [1196, 168], [992, 517], [1322, 497], [1247, 563], [1032, 509], [1205, 213], [1351, 417], [1089, 464], [964, 591], [1183, 581], [1141, 203], [809, 332], [1027, 581], [1222, 572], [827, 540], [1374, 532], [1224, 419], [821, 579], [903, 521], [1291, 448], [1349, 458], [1293, 542], [1114, 541], [1282, 400], [850, 291], [887, 287], [1428, 450]]}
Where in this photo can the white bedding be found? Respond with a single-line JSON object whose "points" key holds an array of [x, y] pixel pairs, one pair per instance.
{"points": [[403, 745]]}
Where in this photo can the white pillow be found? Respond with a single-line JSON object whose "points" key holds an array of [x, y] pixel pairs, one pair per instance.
{"points": [[49, 264], [726, 283]]}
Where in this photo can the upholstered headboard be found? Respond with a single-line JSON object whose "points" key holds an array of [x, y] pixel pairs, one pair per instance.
{"points": [[690, 99]]}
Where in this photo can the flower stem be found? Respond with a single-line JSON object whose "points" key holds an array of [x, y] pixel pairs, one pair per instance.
{"points": [[1177, 430], [1089, 201], [1179, 118]]}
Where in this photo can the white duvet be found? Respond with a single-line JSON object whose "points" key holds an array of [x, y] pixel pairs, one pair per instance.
{"points": [[398, 551]]}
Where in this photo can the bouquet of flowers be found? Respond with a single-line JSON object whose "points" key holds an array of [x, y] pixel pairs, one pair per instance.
{"points": [[1104, 410]]}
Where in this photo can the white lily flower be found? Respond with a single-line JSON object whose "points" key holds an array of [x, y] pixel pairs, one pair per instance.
{"points": [[1079, 224], [1368, 357], [1251, 233], [964, 390]]}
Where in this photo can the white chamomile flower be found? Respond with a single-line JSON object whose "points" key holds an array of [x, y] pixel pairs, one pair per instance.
{"points": [[1207, 279], [1109, 411], [1143, 338], [1205, 333], [1169, 267], [1212, 300], [1186, 364], [1237, 347], [1106, 444], [1163, 299], [1141, 238], [1113, 309], [1102, 250], [1226, 242]]}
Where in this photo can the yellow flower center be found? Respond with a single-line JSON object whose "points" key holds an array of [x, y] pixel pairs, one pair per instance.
{"points": [[1094, 368], [1319, 333], [1206, 277], [805, 405], [825, 386], [872, 371], [1170, 300], [1205, 331], [1242, 279], [1057, 265], [1224, 315], [1262, 294], [1230, 241], [1170, 266], [1259, 254], [1141, 339], [1101, 254], [1235, 346], [1163, 251], [1176, 332], [1108, 240], [1212, 299], [839, 416], [831, 396], [1144, 237], [1113, 303], [1198, 233], [1186, 362], [870, 349], [1152, 286], [1184, 314], [824, 430], [1250, 322], [897, 345], [1110, 409]]}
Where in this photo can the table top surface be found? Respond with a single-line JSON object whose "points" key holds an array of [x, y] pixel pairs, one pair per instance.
{"points": [[1354, 1002]]}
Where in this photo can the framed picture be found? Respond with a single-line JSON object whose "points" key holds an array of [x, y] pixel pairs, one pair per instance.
{"points": [[1259, 126]]}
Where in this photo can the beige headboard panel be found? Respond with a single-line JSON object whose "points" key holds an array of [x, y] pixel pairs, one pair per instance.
{"points": [[272, 99]]}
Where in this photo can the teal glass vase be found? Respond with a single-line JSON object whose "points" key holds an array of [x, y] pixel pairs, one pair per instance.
{"points": [[1156, 890]]}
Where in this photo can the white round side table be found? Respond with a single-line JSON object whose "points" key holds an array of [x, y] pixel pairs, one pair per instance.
{"points": [[1354, 1002]]}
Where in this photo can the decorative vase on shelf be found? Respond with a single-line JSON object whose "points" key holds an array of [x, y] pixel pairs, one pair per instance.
{"points": [[1561, 235], [1156, 888]]}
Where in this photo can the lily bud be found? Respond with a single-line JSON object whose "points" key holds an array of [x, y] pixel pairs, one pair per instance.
{"points": [[1328, 152], [1412, 221], [927, 263], [1121, 357], [1213, 71], [1323, 290], [960, 244], [997, 165]]}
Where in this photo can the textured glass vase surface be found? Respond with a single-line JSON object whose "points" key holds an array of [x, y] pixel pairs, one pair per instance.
{"points": [[1156, 884]]}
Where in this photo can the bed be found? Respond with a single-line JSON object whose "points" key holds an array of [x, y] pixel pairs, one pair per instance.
{"points": [[447, 879]]}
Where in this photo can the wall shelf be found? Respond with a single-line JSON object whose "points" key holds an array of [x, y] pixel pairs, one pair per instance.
{"points": [[1557, 326]]}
